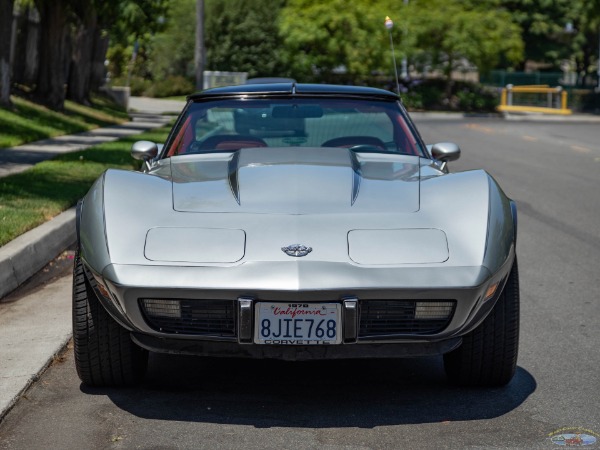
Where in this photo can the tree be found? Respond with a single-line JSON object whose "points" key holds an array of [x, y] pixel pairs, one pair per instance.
{"points": [[173, 48], [557, 31], [335, 36], [452, 32], [6, 20], [582, 42], [53, 56], [543, 24], [133, 24], [242, 36], [84, 35]]}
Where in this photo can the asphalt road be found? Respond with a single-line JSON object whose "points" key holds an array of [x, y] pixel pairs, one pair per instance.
{"points": [[553, 172]]}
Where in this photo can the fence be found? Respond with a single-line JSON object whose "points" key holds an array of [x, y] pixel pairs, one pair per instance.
{"points": [[544, 99], [502, 78]]}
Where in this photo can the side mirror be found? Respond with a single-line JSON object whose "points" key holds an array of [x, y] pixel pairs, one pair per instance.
{"points": [[445, 151], [144, 150]]}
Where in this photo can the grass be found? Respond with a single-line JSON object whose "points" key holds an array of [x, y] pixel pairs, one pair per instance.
{"points": [[181, 98], [33, 197], [27, 121]]}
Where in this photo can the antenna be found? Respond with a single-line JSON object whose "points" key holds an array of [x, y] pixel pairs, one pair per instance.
{"points": [[389, 25]]}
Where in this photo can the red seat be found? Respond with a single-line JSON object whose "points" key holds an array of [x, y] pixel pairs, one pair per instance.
{"points": [[230, 142]]}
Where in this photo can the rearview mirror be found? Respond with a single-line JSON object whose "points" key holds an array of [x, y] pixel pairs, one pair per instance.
{"points": [[297, 111], [445, 151], [144, 150]]}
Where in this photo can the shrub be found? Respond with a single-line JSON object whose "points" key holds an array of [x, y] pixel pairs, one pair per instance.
{"points": [[464, 96], [170, 86], [137, 85]]}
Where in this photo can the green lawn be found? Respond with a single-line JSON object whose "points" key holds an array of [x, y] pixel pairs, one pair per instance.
{"points": [[27, 121], [31, 198], [181, 98]]}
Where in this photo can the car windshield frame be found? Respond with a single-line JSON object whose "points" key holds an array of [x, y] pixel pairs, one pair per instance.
{"points": [[259, 119]]}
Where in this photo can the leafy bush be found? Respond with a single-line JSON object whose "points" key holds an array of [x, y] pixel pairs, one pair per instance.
{"points": [[170, 86], [167, 87], [464, 96], [584, 100], [137, 85]]}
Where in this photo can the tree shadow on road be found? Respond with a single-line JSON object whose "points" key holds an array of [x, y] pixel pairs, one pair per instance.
{"points": [[319, 394]]}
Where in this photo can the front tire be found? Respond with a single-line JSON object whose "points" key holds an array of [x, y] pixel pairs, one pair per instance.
{"points": [[488, 354], [105, 355]]}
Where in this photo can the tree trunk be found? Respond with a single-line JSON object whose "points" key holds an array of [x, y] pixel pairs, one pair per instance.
{"points": [[6, 21], [51, 77], [98, 69], [78, 88], [25, 57]]}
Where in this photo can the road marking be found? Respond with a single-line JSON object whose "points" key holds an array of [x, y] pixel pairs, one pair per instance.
{"points": [[477, 127], [530, 138], [579, 149]]}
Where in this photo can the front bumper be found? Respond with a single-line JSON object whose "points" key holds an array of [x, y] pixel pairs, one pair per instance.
{"points": [[294, 353], [466, 286]]}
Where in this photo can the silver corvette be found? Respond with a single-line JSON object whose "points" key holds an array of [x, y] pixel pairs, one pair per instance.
{"points": [[296, 221]]}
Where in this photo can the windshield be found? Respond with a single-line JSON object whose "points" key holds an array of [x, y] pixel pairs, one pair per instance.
{"points": [[357, 124]]}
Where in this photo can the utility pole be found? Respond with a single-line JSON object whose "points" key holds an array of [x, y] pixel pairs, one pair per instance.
{"points": [[199, 53]]}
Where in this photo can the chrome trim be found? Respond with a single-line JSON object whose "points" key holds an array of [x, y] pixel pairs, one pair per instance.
{"points": [[350, 320], [245, 309]]}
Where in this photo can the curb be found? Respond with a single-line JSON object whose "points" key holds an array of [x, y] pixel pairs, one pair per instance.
{"points": [[532, 117], [511, 117], [24, 256]]}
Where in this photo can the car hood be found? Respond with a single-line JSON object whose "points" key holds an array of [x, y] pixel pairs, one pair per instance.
{"points": [[370, 210], [295, 181]]}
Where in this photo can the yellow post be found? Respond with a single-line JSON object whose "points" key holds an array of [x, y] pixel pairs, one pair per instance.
{"points": [[563, 100]]}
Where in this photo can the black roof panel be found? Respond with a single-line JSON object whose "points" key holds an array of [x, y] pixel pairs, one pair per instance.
{"points": [[329, 89], [288, 88]]}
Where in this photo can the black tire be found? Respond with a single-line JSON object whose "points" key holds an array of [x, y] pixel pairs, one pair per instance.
{"points": [[105, 355], [488, 354]]}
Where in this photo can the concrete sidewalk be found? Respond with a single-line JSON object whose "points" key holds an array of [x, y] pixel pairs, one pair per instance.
{"points": [[34, 329]]}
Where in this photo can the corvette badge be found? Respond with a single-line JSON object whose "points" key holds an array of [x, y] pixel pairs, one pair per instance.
{"points": [[296, 250]]}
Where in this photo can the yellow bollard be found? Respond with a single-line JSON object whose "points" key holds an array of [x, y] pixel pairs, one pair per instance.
{"points": [[503, 97], [563, 100]]}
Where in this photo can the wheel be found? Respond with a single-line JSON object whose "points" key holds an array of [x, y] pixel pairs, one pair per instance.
{"points": [[488, 354], [105, 355]]}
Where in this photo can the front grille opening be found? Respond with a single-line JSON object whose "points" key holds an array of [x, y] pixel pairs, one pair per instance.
{"points": [[183, 316], [388, 317]]}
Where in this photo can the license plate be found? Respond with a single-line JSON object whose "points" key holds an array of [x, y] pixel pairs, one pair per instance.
{"points": [[297, 323]]}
